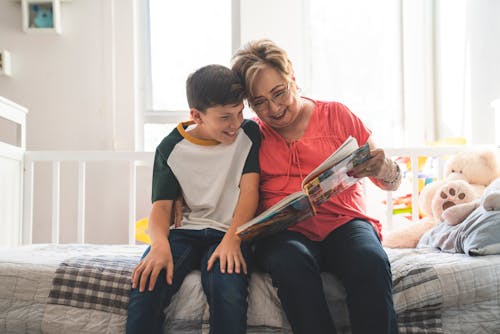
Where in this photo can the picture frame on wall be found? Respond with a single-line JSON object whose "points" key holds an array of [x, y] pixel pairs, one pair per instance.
{"points": [[41, 16]]}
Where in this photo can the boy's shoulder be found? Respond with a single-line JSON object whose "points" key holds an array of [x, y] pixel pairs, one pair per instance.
{"points": [[250, 127], [169, 141], [249, 123]]}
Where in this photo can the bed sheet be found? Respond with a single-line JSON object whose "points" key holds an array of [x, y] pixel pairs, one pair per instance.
{"points": [[84, 289]]}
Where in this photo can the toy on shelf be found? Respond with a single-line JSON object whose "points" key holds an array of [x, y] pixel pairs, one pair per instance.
{"points": [[427, 171]]}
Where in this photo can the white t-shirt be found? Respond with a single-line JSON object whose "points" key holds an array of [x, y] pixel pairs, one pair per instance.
{"points": [[207, 173]]}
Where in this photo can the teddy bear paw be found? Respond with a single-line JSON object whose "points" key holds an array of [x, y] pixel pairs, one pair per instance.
{"points": [[451, 197]]}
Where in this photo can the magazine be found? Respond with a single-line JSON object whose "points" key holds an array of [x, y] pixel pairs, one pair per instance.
{"points": [[326, 180]]}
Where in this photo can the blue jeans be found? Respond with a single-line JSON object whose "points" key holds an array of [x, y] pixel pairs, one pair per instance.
{"points": [[354, 254], [226, 293]]}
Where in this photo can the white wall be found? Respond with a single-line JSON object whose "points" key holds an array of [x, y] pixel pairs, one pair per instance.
{"points": [[81, 90], [78, 86]]}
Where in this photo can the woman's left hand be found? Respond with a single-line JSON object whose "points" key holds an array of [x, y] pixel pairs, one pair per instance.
{"points": [[375, 167]]}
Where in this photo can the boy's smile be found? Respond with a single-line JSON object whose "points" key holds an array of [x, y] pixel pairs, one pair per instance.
{"points": [[220, 123]]}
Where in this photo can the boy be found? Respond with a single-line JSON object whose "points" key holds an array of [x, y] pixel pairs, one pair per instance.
{"points": [[214, 165]]}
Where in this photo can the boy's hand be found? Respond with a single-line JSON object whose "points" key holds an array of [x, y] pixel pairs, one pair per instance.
{"points": [[158, 258], [229, 254]]}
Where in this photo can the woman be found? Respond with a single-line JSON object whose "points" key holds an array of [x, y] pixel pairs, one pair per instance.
{"points": [[297, 134]]}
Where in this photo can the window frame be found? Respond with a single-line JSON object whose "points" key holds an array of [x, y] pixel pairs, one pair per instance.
{"points": [[152, 116]]}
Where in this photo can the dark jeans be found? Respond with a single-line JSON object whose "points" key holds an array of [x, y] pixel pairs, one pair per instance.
{"points": [[226, 293], [354, 254]]}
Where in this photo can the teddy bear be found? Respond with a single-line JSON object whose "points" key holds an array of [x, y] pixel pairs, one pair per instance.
{"points": [[472, 228], [474, 169], [478, 168], [490, 201], [447, 195]]}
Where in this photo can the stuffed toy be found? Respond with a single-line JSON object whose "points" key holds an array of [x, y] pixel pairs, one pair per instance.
{"points": [[490, 201], [478, 168], [475, 170], [447, 195], [472, 228]]}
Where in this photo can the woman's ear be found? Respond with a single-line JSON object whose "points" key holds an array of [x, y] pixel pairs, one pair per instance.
{"points": [[196, 116]]}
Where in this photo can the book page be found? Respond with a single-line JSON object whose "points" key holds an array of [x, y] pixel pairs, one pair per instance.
{"points": [[335, 180], [349, 146], [285, 213]]}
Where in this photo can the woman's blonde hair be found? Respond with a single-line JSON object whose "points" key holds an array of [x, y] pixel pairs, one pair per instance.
{"points": [[256, 55]]}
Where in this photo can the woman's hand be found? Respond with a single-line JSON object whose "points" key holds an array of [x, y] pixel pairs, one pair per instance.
{"points": [[229, 254], [176, 219], [377, 166], [158, 258]]}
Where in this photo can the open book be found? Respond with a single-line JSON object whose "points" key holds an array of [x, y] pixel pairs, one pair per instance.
{"points": [[326, 180]]}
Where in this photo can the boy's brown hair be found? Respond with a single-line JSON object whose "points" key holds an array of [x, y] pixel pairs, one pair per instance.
{"points": [[213, 85]]}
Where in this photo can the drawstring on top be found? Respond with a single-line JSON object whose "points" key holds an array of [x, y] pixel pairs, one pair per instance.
{"points": [[293, 159]]}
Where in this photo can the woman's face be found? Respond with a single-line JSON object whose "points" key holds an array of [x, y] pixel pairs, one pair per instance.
{"points": [[274, 100]]}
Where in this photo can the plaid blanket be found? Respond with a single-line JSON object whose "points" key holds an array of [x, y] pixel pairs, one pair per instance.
{"points": [[417, 293], [100, 283]]}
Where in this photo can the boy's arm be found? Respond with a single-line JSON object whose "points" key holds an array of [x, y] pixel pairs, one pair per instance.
{"points": [[160, 255], [228, 251]]}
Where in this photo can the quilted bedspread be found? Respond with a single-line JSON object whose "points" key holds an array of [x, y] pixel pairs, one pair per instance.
{"points": [[84, 289]]}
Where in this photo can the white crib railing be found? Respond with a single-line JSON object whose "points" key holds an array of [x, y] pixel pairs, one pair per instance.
{"points": [[440, 153], [135, 159], [55, 158]]}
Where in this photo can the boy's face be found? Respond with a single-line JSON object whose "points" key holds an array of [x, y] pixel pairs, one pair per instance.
{"points": [[219, 123]]}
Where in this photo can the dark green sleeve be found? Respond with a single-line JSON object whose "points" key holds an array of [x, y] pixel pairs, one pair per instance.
{"points": [[252, 162], [165, 184]]}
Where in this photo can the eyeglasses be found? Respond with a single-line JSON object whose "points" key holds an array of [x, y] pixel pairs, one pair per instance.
{"points": [[281, 96]]}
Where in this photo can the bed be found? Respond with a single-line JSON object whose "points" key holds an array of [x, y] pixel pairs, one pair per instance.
{"points": [[83, 287]]}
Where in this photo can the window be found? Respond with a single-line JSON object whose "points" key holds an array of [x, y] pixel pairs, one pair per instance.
{"points": [[356, 60], [451, 68], [181, 40], [412, 70]]}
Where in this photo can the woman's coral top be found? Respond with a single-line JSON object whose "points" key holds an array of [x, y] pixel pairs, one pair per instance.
{"points": [[285, 164]]}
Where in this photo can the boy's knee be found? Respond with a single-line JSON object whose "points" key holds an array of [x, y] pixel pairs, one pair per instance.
{"points": [[231, 289]]}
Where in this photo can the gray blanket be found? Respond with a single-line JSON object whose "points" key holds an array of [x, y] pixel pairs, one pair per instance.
{"points": [[478, 234]]}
